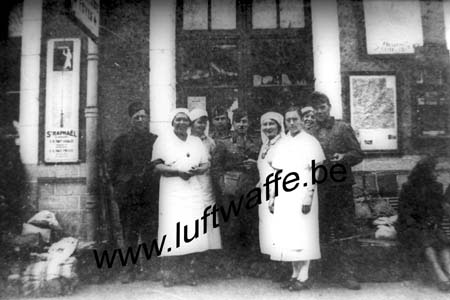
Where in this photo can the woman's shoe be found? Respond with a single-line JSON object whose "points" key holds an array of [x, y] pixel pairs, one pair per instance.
{"points": [[443, 286], [297, 285], [168, 282], [287, 284], [191, 282]]}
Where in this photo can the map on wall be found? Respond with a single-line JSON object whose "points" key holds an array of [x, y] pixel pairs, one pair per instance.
{"points": [[373, 107], [392, 27]]}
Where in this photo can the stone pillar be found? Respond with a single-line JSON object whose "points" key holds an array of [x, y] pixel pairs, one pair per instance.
{"points": [[91, 114], [29, 81], [446, 5], [327, 59], [162, 79]]}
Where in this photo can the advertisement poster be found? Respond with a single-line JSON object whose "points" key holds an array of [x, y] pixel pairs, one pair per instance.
{"points": [[62, 101]]}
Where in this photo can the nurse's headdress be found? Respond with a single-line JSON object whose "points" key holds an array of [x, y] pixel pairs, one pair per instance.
{"points": [[278, 118]]}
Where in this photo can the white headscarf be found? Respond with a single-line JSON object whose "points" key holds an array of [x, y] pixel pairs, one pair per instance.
{"points": [[197, 113], [176, 111], [275, 117]]}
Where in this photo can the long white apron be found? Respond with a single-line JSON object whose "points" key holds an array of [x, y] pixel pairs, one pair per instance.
{"points": [[296, 234], [181, 202], [266, 219], [213, 234]]}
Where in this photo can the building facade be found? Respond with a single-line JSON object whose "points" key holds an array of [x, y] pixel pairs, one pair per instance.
{"points": [[383, 64]]}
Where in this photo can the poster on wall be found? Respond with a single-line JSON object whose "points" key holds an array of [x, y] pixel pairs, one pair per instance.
{"points": [[373, 107], [62, 101], [392, 27]]}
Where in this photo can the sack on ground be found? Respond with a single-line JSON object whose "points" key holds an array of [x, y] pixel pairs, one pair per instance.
{"points": [[45, 219]]}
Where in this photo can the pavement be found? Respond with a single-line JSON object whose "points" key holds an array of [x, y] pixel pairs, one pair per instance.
{"points": [[252, 288]]}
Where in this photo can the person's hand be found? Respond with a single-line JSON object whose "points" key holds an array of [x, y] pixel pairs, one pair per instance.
{"points": [[271, 205], [307, 201], [195, 171], [184, 175], [306, 209], [337, 157]]}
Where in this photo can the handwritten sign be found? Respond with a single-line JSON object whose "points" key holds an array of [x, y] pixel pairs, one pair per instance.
{"points": [[392, 27], [87, 12]]}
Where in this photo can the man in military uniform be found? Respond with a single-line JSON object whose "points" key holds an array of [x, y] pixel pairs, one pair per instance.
{"points": [[337, 210], [135, 185], [221, 125], [234, 167]]}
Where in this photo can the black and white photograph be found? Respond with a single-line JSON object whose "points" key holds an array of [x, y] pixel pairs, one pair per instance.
{"points": [[225, 149]]}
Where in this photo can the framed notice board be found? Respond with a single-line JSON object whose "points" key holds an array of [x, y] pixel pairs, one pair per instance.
{"points": [[373, 111]]}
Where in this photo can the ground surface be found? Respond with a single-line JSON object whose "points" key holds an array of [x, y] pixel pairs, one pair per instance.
{"points": [[252, 288]]}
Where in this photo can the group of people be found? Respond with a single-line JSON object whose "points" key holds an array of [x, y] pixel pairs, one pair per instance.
{"points": [[201, 177]]}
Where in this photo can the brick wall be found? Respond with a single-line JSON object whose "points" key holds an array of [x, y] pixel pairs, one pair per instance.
{"points": [[123, 64]]}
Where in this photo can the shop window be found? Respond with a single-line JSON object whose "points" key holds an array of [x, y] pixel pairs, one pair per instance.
{"points": [[258, 67], [209, 14], [272, 14]]}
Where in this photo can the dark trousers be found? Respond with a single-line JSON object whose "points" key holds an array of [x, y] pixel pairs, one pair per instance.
{"points": [[240, 239], [337, 221], [138, 219]]}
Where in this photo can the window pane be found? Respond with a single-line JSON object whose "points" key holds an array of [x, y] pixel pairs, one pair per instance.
{"points": [[204, 63], [195, 14], [264, 14], [194, 64], [280, 63], [292, 14], [223, 64], [223, 14]]}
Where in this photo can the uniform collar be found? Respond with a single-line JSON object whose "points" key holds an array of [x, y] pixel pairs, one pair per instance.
{"points": [[221, 135], [327, 123]]}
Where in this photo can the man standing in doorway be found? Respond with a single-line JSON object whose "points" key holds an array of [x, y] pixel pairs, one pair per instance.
{"points": [[337, 209], [135, 185]]}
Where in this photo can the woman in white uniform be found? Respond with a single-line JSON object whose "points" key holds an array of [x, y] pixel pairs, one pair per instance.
{"points": [[296, 229], [181, 159], [272, 131], [199, 118]]}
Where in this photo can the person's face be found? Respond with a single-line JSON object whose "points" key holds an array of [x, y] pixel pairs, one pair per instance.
{"points": [[139, 121], [220, 122], [270, 129], [309, 119], [181, 123], [293, 122], [322, 112], [241, 126], [199, 126]]}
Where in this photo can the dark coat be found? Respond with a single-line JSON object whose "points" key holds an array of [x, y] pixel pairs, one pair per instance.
{"points": [[420, 215], [130, 168], [336, 136]]}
